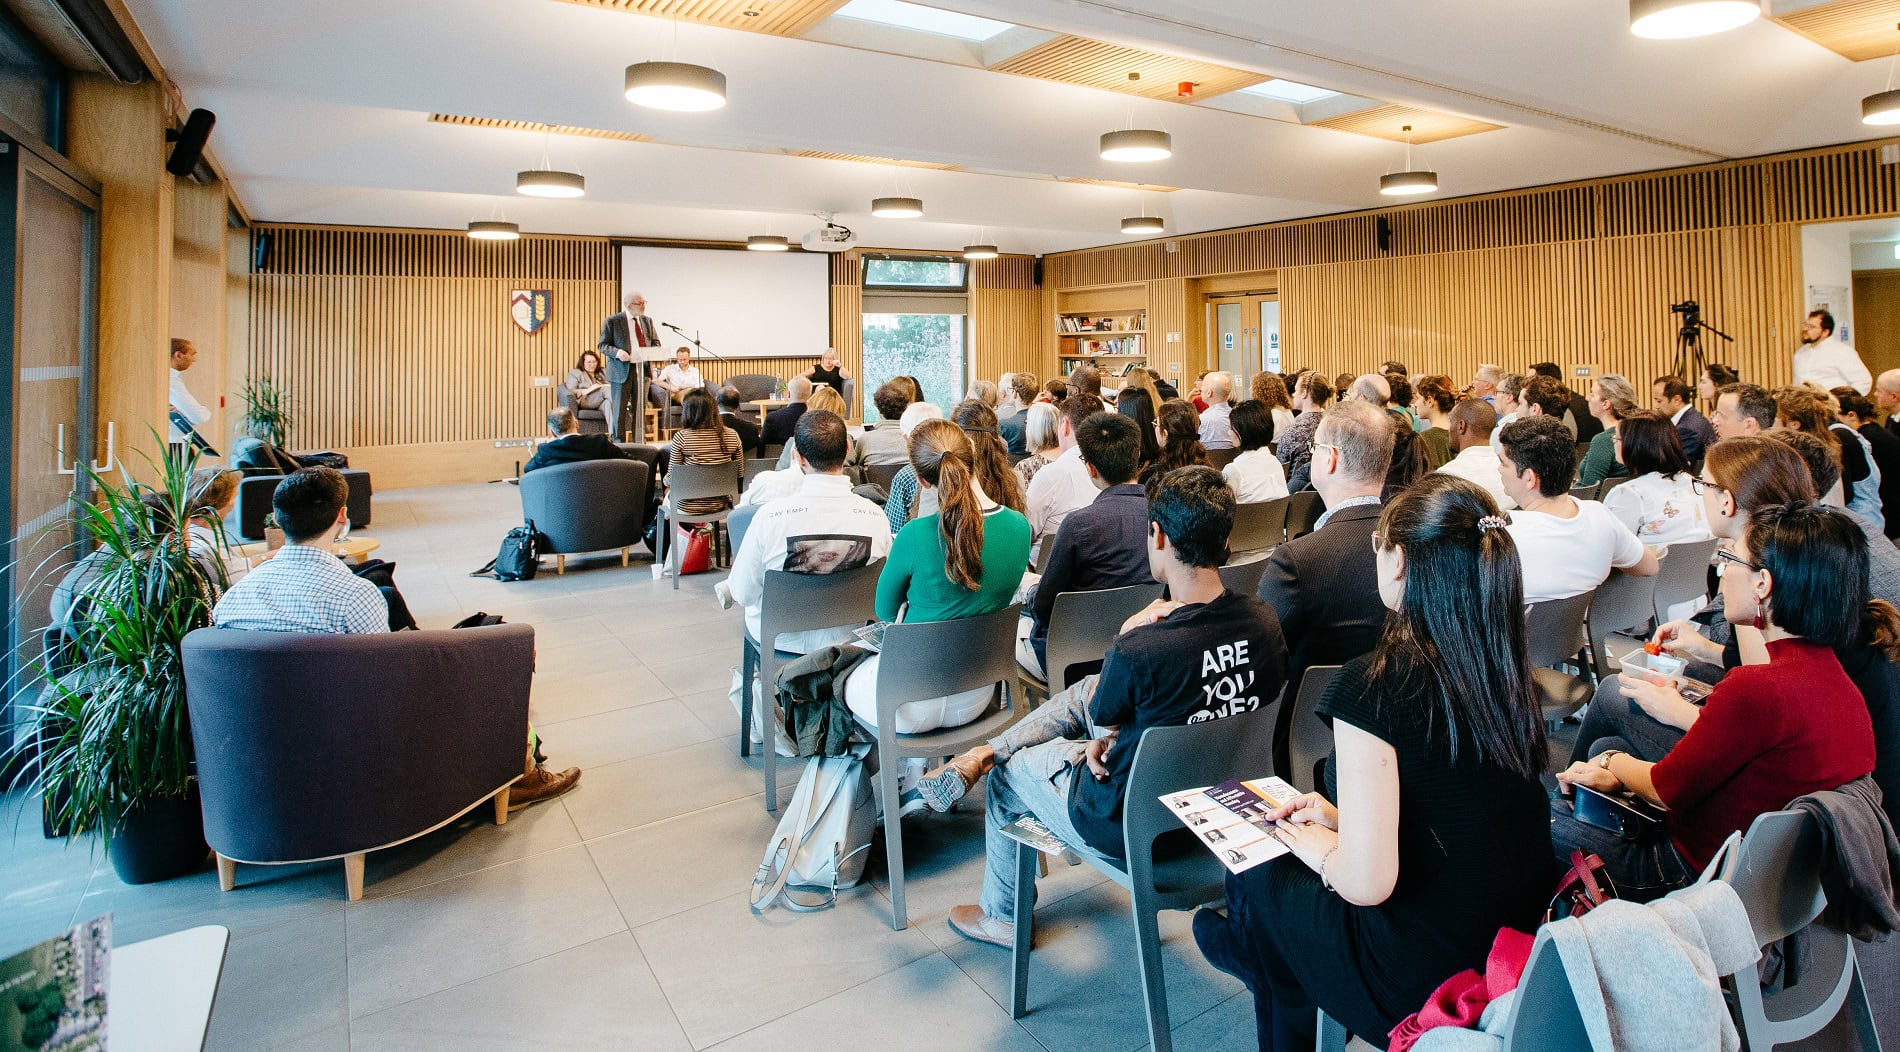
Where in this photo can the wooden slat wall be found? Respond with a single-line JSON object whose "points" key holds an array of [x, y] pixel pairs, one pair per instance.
{"points": [[1007, 320]]}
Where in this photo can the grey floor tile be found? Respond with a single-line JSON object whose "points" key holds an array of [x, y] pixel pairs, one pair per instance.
{"points": [[447, 933], [669, 867], [41, 881], [597, 995], [283, 986], [929, 996], [1228, 1025], [653, 788], [719, 636], [713, 708], [472, 842], [691, 675], [623, 734], [584, 659], [565, 631], [265, 897], [571, 691], [726, 971]]}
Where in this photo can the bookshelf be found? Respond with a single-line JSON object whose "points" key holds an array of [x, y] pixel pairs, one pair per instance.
{"points": [[1105, 327]]}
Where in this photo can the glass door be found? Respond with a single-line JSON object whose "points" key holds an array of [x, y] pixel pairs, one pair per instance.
{"points": [[1245, 337]]}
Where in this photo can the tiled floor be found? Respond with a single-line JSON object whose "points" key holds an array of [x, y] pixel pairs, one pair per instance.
{"points": [[617, 917]]}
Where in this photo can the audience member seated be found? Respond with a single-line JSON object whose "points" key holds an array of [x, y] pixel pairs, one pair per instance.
{"points": [[210, 498], [1484, 384], [1270, 391], [305, 588], [994, 476], [1008, 404], [702, 439], [1823, 460], [1471, 423], [1432, 399], [1709, 385], [680, 375], [1883, 446], [569, 445], [1256, 474], [1507, 400], [985, 392], [906, 501], [964, 561], [1542, 397], [1216, 431], [1568, 546], [1163, 389], [1802, 409], [1433, 831], [1088, 380], [776, 430], [1178, 427], [1101, 545], [1310, 395], [586, 383], [1659, 502], [1322, 585], [883, 442], [1398, 399], [1041, 436], [1741, 411], [1012, 419], [1672, 401], [1054, 391], [1064, 485], [1163, 670], [1139, 404], [730, 402], [1611, 399], [829, 373], [831, 402], [1769, 732]]}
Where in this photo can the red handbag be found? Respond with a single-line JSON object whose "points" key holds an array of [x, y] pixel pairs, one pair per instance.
{"points": [[1585, 886], [697, 558]]}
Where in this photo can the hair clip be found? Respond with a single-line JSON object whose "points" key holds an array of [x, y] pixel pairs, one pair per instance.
{"points": [[1492, 522]]}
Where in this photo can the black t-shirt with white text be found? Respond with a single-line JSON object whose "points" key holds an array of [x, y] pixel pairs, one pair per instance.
{"points": [[1201, 662]]}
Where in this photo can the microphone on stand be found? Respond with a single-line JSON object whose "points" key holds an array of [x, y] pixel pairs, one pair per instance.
{"points": [[703, 349]]}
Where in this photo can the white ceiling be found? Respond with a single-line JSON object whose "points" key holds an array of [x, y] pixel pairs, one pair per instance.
{"points": [[322, 113]]}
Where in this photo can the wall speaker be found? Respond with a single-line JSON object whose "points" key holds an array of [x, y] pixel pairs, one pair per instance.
{"points": [[260, 251], [1038, 273], [1385, 234], [188, 143]]}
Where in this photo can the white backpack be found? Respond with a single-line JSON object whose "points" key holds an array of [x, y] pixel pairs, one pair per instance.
{"points": [[823, 840]]}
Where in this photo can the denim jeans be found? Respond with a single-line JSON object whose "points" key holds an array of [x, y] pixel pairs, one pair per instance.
{"points": [[1612, 715], [1034, 764]]}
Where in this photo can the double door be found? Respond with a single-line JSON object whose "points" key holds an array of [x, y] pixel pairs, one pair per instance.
{"points": [[1245, 335]]}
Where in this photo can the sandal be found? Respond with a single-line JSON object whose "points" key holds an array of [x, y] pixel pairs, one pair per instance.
{"points": [[942, 788]]}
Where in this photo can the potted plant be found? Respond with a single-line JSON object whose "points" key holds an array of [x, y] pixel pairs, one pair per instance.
{"points": [[114, 752], [273, 536], [266, 411]]}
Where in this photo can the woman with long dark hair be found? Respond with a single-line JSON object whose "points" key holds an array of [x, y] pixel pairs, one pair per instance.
{"points": [[1659, 503], [1433, 831], [993, 472], [702, 439], [1137, 403], [1713, 379], [1179, 428]]}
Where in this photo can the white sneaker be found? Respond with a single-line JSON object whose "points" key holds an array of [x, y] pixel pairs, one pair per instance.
{"points": [[723, 592]]}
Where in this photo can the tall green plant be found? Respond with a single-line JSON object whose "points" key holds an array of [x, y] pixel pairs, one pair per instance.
{"points": [[266, 410], [112, 727]]}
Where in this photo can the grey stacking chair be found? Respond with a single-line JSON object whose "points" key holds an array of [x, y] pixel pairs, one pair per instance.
{"points": [[1043, 550], [1623, 601], [1611, 483], [796, 602], [933, 659], [1258, 527], [756, 467], [1776, 869], [1242, 576], [1684, 574], [1553, 634], [1082, 625], [770, 452], [1303, 512], [686, 482], [738, 522], [1308, 738], [880, 475], [1220, 458], [1589, 492], [1177, 873]]}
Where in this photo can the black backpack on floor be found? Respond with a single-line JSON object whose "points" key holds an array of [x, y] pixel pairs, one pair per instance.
{"points": [[519, 558]]}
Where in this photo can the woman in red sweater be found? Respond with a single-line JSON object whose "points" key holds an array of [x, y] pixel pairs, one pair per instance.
{"points": [[1768, 733]]}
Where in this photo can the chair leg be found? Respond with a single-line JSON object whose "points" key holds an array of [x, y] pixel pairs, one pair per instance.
{"points": [[1862, 1009], [626, 556], [560, 565], [767, 707], [893, 834], [748, 667], [501, 806], [1332, 1034], [1027, 860], [227, 873], [1154, 989], [676, 553], [353, 875]]}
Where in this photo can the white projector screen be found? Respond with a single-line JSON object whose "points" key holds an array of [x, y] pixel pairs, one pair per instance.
{"points": [[741, 304]]}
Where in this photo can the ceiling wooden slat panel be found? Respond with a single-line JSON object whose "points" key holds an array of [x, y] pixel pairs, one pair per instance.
{"points": [[862, 158], [1388, 121], [1857, 29], [784, 18], [532, 126], [1094, 64], [1118, 185]]}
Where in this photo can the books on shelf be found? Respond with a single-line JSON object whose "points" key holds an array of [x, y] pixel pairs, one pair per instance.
{"points": [[1070, 323], [1121, 345], [1230, 819]]}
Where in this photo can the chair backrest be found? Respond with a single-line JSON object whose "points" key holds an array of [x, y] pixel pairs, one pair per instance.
{"points": [[1220, 458], [1171, 759], [649, 454], [587, 506], [1544, 1016], [798, 602], [881, 474], [1777, 873], [1258, 527], [1553, 630], [739, 521], [1684, 574], [697, 481], [755, 468], [1611, 483], [1621, 602], [1083, 624], [1303, 512], [753, 386], [1308, 739], [1586, 492], [934, 659], [1242, 576]]}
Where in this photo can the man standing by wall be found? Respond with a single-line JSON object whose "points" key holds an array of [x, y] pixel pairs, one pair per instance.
{"points": [[184, 354], [624, 338], [1826, 362]]}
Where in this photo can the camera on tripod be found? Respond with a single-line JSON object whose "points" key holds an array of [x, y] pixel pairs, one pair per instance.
{"points": [[1689, 363], [1691, 312]]}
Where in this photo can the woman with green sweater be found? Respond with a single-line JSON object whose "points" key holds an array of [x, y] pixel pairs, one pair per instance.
{"points": [[964, 561], [1611, 399]]}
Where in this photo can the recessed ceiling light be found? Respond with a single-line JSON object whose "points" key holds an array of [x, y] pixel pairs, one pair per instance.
{"points": [[1678, 19], [493, 230], [679, 86], [897, 207], [921, 19], [1288, 91], [1143, 225], [980, 252], [541, 182], [1137, 144], [767, 243]]}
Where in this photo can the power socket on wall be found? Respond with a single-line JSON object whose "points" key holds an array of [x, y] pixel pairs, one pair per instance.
{"points": [[541, 381]]}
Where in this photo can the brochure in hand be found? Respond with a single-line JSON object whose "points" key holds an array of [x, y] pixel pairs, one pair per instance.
{"points": [[53, 996], [1231, 819]]}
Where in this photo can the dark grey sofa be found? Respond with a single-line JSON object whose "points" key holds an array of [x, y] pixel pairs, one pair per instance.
{"points": [[317, 747], [589, 506], [253, 503]]}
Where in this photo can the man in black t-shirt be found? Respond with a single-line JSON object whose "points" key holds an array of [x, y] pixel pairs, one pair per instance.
{"points": [[1205, 654]]}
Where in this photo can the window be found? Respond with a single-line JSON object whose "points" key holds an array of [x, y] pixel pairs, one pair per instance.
{"points": [[929, 347], [923, 19], [915, 274], [1289, 91]]}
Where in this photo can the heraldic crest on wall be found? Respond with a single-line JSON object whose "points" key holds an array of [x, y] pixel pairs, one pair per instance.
{"points": [[529, 308]]}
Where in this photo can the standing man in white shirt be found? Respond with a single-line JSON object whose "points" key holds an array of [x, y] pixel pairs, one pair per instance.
{"points": [[1472, 423], [184, 355], [681, 375], [1063, 485], [1827, 362], [1567, 546]]}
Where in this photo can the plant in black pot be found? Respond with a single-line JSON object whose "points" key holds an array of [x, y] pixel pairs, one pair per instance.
{"points": [[113, 741]]}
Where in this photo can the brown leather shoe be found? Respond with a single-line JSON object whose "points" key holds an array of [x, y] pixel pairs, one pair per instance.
{"points": [[975, 925], [541, 784]]}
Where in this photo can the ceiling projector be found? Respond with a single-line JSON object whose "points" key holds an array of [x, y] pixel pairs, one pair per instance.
{"points": [[829, 238]]}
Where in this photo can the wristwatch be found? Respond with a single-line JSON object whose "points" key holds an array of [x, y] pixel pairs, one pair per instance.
{"points": [[1603, 758]]}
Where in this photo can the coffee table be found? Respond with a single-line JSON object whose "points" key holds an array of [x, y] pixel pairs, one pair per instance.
{"points": [[352, 550]]}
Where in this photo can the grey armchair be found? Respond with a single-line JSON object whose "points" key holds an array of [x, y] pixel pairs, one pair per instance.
{"points": [[318, 747], [589, 506], [753, 386], [592, 421]]}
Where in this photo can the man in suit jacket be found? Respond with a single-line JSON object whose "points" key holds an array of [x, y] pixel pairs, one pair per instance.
{"points": [[780, 423], [748, 432], [1324, 586], [1672, 400], [624, 339], [570, 446]]}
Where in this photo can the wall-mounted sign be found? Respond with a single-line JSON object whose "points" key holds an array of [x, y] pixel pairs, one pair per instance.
{"points": [[529, 308]]}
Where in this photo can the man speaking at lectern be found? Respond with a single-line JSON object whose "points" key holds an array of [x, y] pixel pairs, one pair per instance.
{"points": [[628, 342]]}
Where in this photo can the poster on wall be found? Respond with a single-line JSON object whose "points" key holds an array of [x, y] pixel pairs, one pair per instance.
{"points": [[1835, 300]]}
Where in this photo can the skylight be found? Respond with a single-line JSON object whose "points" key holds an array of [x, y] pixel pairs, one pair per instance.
{"points": [[923, 19], [1289, 91]]}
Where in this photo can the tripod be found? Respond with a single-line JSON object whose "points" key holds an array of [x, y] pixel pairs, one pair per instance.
{"points": [[1689, 363]]}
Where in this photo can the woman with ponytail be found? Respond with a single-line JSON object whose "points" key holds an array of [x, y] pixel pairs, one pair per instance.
{"points": [[993, 472], [1433, 831], [1769, 732], [963, 561]]}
